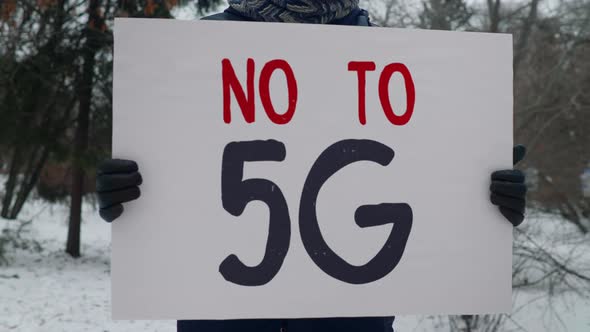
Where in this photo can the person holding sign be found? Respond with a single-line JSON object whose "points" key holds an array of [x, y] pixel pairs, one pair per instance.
{"points": [[118, 180]]}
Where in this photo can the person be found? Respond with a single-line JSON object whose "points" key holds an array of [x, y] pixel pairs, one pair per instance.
{"points": [[118, 180]]}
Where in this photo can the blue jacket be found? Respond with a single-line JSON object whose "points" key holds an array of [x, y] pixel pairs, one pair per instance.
{"points": [[365, 324]]}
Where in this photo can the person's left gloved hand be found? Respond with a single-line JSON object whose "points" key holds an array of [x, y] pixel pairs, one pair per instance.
{"points": [[509, 189]]}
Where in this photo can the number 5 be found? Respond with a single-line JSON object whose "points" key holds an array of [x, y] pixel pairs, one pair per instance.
{"points": [[237, 193]]}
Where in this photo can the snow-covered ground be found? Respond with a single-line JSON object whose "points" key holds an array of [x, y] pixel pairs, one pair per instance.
{"points": [[49, 291]]}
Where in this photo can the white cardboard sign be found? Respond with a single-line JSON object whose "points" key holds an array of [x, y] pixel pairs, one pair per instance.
{"points": [[259, 216]]}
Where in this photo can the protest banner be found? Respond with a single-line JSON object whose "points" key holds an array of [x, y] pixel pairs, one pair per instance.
{"points": [[310, 171]]}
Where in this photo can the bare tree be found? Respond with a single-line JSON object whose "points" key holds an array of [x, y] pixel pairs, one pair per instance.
{"points": [[94, 41]]}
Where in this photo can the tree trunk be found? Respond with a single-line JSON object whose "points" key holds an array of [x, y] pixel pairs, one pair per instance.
{"points": [[10, 183], [494, 15], [28, 184], [81, 137], [525, 33]]}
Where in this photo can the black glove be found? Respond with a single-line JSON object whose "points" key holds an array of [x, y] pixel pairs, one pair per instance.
{"points": [[509, 190], [117, 181]]}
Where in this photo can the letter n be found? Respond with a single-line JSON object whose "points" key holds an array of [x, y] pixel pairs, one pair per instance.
{"points": [[231, 83]]}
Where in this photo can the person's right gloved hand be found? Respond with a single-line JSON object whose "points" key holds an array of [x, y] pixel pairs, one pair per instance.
{"points": [[117, 182]]}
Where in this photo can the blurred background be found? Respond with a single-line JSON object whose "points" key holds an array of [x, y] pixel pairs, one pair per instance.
{"points": [[56, 60]]}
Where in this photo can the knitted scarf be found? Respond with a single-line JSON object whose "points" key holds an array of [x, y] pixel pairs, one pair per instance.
{"points": [[294, 11]]}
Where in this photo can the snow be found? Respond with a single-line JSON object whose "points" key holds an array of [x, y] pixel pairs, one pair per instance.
{"points": [[50, 291], [54, 292]]}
